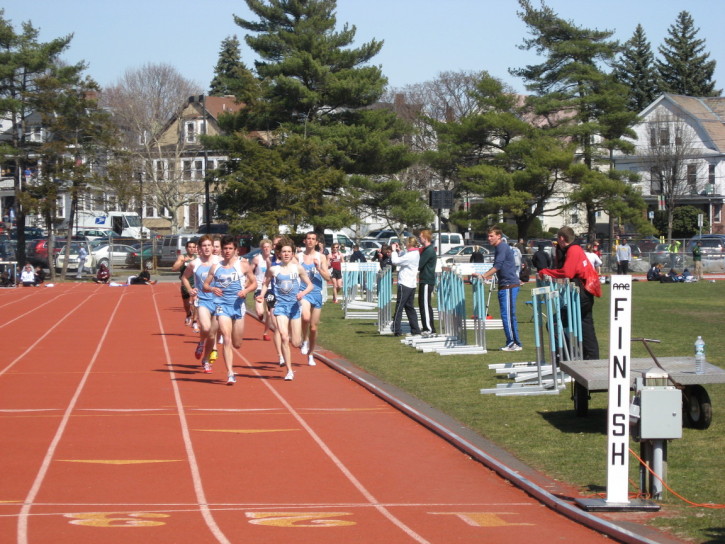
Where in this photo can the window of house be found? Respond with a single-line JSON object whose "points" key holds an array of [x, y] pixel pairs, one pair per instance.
{"points": [[655, 181], [717, 213], [60, 206], [711, 174], [198, 170], [692, 175], [653, 137], [160, 170], [193, 216], [664, 136], [678, 136], [187, 170], [190, 132]]}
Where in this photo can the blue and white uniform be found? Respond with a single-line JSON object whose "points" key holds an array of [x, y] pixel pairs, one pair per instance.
{"points": [[230, 280], [286, 287], [260, 270], [201, 271], [314, 297]]}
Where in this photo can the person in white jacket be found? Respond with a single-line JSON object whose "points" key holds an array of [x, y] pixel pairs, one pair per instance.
{"points": [[407, 263]]}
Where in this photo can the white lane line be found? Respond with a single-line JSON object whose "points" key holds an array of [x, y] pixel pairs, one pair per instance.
{"points": [[193, 465], [33, 309], [45, 465], [51, 329], [338, 463]]}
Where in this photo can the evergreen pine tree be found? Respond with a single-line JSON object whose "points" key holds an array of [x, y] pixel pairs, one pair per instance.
{"points": [[231, 76], [635, 69], [312, 120], [684, 67]]}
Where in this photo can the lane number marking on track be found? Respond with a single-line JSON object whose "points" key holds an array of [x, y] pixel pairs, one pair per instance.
{"points": [[296, 519], [116, 519]]}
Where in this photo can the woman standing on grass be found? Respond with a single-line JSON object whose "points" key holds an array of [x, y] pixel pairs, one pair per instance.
{"points": [[287, 310], [199, 269], [230, 281]]}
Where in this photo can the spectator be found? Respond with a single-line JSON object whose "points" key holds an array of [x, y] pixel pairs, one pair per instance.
{"points": [[577, 268], [407, 263], [27, 276], [624, 255], [39, 276], [507, 273], [103, 275], [593, 258], [357, 255], [697, 259], [82, 254], [427, 272], [541, 259], [477, 255], [655, 273]]}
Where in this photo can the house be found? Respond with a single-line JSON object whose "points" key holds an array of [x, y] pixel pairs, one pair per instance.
{"points": [[680, 154], [176, 165]]}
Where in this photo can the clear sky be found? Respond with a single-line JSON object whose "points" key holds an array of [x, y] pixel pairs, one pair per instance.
{"points": [[422, 38]]}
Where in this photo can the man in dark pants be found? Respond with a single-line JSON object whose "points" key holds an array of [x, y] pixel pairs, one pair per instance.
{"points": [[426, 282], [579, 269]]}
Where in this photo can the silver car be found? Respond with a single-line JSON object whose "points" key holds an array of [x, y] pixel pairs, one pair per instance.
{"points": [[462, 254]]}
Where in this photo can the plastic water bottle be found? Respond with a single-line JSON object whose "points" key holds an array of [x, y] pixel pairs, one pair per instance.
{"points": [[699, 355]]}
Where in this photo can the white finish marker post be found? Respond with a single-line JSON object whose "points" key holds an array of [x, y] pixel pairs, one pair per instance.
{"points": [[620, 333]]}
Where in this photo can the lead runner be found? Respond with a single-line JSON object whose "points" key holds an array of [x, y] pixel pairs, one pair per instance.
{"points": [[230, 281]]}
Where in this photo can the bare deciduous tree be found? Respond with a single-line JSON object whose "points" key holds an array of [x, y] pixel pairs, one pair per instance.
{"points": [[145, 103], [671, 157]]}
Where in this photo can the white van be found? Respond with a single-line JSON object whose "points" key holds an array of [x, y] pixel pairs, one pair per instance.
{"points": [[448, 241], [338, 237], [172, 246]]}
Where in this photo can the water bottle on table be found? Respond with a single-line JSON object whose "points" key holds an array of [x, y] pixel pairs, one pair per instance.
{"points": [[699, 355]]}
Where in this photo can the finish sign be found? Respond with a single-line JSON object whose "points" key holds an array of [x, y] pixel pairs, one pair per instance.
{"points": [[620, 332]]}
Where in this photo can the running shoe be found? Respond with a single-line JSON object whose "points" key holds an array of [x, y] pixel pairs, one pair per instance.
{"points": [[199, 350], [231, 379], [512, 347], [266, 337], [212, 356], [290, 376], [305, 348], [281, 361], [311, 360], [207, 367], [187, 321], [195, 327]]}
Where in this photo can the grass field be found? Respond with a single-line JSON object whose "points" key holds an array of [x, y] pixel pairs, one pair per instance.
{"points": [[543, 431]]}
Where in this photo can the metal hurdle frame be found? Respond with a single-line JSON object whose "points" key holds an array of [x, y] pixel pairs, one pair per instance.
{"points": [[355, 275], [538, 377], [452, 314], [384, 283]]}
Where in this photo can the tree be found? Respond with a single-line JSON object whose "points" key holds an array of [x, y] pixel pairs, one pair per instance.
{"points": [[144, 102], [668, 156], [579, 100], [231, 76], [313, 116], [684, 67], [684, 221], [26, 63], [635, 69]]}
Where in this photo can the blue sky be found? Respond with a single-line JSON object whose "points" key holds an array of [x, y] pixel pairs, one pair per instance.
{"points": [[422, 37]]}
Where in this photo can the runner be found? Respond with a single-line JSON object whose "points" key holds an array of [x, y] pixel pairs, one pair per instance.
{"points": [[286, 278], [230, 281], [199, 269], [270, 299], [259, 266], [315, 264], [179, 266]]}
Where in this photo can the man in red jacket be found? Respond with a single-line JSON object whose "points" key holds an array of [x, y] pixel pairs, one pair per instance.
{"points": [[577, 267]]}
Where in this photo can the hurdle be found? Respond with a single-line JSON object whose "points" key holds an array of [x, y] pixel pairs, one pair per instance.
{"points": [[541, 377], [359, 290], [453, 323], [384, 283]]}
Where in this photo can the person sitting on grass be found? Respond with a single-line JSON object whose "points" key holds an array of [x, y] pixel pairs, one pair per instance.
{"points": [[655, 273], [103, 275]]}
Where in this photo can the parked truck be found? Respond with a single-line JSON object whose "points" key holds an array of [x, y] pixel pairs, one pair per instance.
{"points": [[121, 223]]}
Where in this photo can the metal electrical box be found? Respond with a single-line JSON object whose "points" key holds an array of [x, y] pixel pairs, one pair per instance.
{"points": [[660, 413]]}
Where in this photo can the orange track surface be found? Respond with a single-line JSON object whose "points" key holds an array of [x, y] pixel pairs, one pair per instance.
{"points": [[111, 433]]}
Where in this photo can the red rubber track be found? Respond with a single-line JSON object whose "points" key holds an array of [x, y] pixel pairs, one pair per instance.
{"points": [[111, 433]]}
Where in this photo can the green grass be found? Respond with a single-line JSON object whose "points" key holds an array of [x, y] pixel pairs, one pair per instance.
{"points": [[543, 431]]}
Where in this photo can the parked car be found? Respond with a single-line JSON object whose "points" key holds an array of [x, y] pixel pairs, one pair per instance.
{"points": [[661, 254], [30, 232], [449, 240], [172, 246], [712, 245], [111, 255], [462, 254], [73, 256], [133, 259]]}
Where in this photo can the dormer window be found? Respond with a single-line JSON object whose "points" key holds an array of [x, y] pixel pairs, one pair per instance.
{"points": [[190, 132]]}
